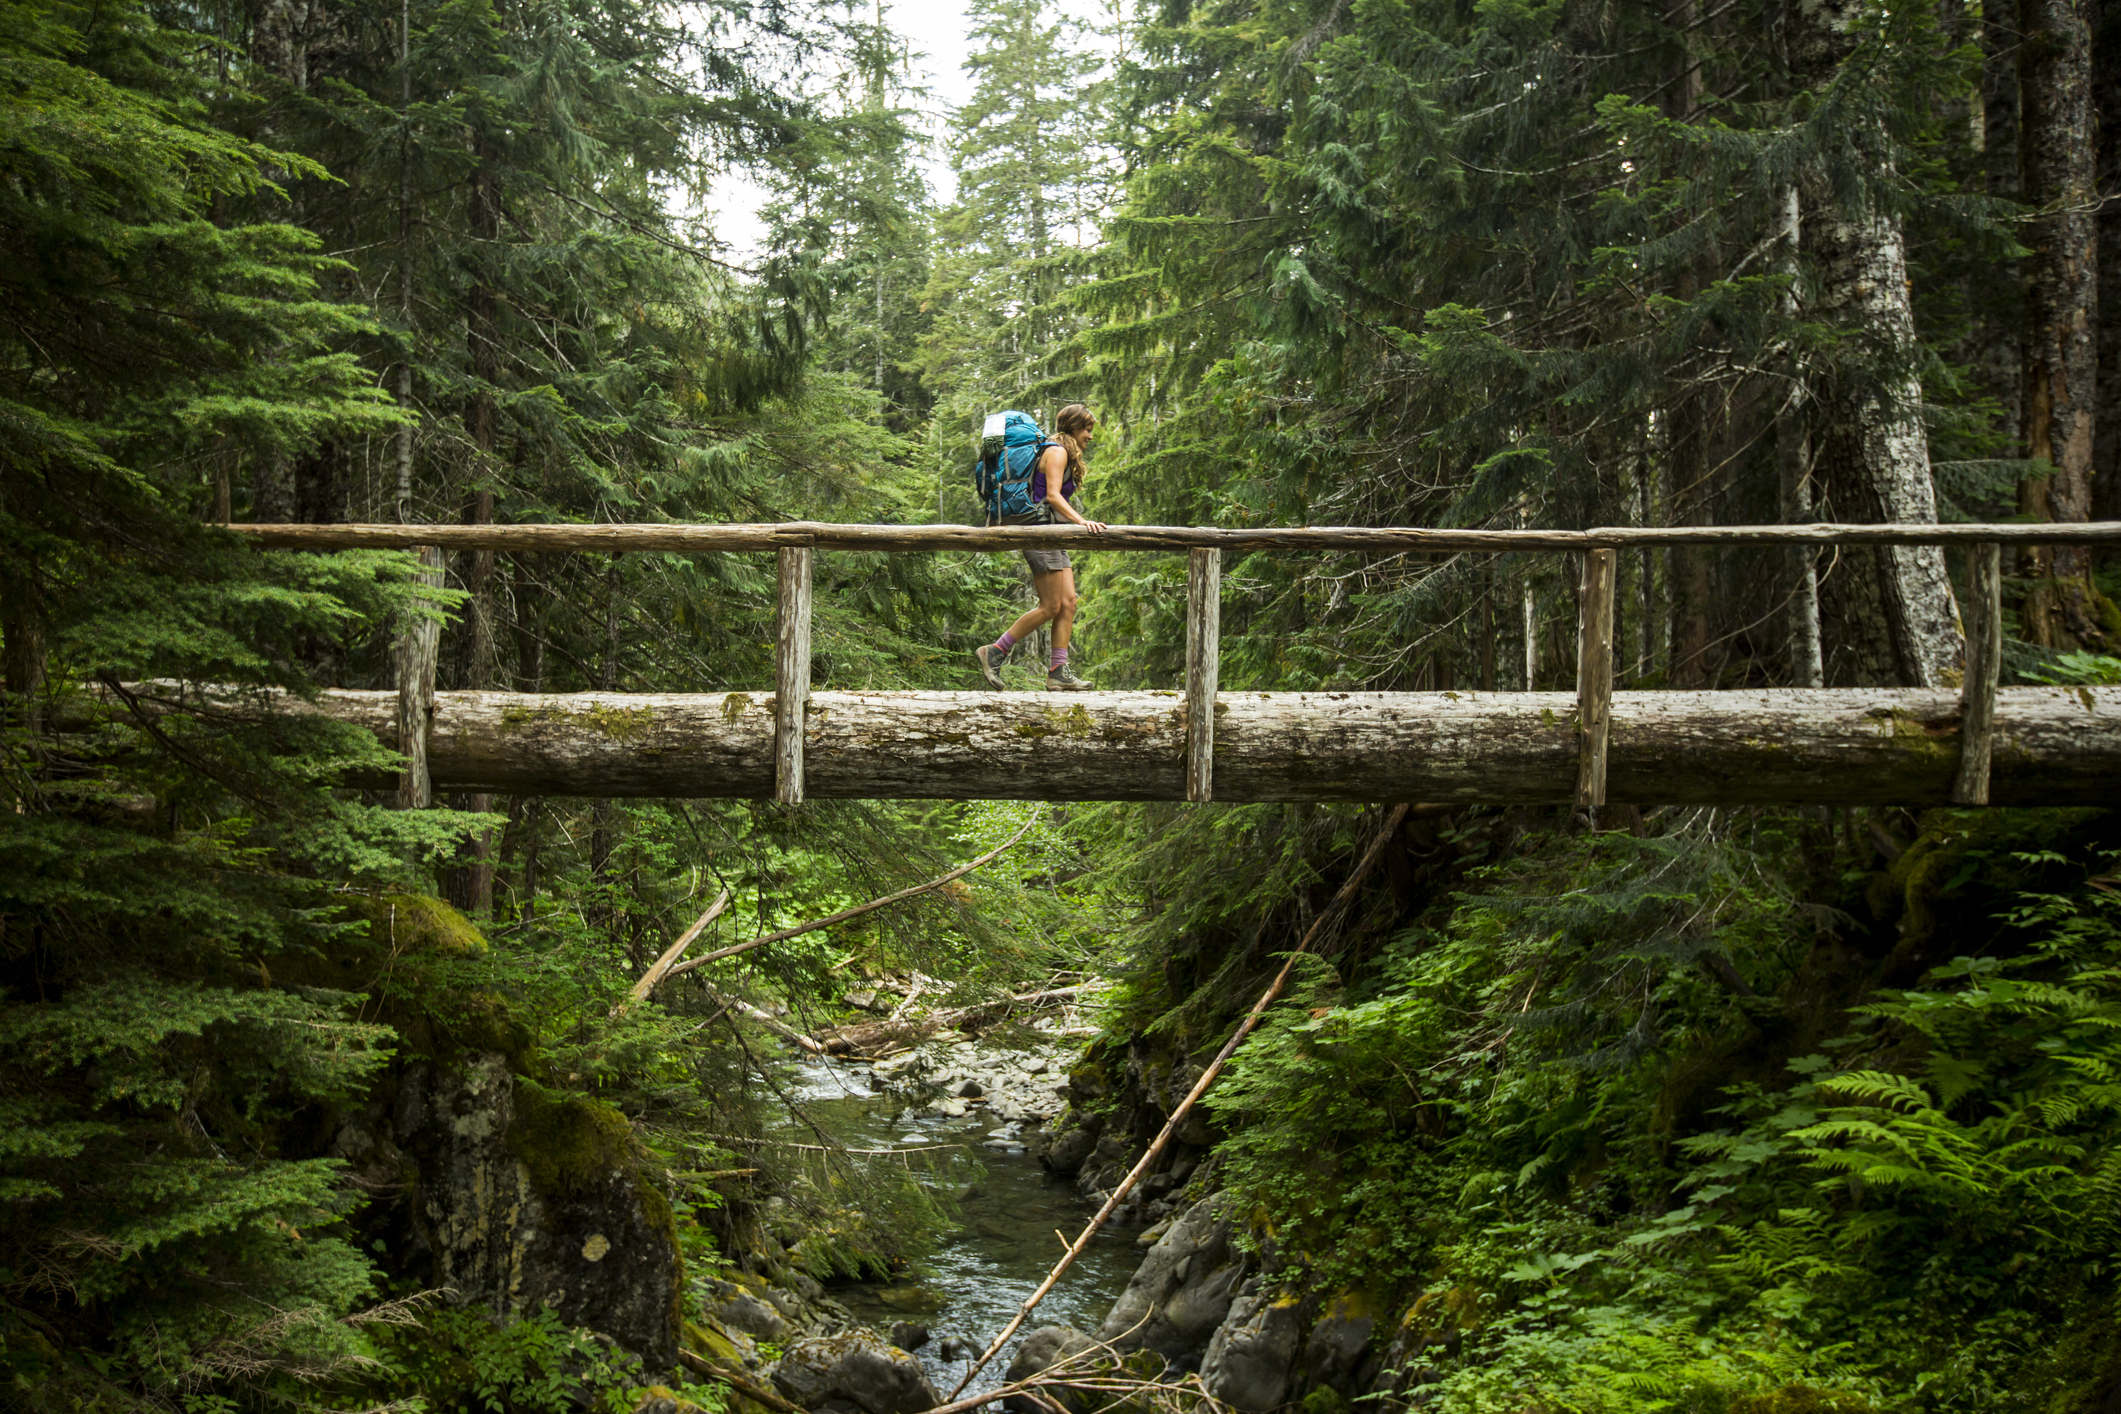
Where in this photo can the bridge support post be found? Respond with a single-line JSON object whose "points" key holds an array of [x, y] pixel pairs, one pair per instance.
{"points": [[417, 648], [791, 673], [1204, 622], [1594, 680], [1984, 666]]}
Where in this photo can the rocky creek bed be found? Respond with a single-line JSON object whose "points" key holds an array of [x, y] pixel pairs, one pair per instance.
{"points": [[994, 1101], [1054, 1131]]}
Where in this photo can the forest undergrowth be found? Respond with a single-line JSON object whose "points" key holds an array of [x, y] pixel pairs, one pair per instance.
{"points": [[1745, 1110]]}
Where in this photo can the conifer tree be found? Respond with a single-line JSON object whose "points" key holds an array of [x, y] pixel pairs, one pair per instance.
{"points": [[1028, 155]]}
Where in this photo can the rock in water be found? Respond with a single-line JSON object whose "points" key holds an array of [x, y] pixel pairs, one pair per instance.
{"points": [[855, 1367], [1064, 1152], [908, 1336], [737, 1309], [1041, 1351]]}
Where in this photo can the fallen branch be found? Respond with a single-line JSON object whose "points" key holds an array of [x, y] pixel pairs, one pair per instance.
{"points": [[859, 909], [671, 954], [771, 1023], [913, 991], [1078, 1374], [1185, 1106], [701, 1366]]}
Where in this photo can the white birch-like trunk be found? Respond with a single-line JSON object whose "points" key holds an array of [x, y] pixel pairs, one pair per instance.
{"points": [[1890, 615], [1887, 615]]}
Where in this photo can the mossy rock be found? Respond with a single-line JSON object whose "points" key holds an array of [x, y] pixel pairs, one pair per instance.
{"points": [[400, 923], [570, 1144], [712, 1344], [409, 952]]}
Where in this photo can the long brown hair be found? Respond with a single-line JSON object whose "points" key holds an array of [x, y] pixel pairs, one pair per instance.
{"points": [[1069, 425]]}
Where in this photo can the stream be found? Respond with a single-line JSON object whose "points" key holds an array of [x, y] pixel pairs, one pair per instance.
{"points": [[1002, 1246]]}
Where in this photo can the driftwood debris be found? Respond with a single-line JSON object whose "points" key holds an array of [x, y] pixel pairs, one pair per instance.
{"points": [[870, 1038], [1825, 746]]}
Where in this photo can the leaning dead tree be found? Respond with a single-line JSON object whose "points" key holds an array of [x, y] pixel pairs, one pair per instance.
{"points": [[668, 964]]}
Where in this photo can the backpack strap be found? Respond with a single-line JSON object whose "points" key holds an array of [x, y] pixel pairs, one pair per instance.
{"points": [[1038, 455]]}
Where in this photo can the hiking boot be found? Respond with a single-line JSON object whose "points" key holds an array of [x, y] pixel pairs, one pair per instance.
{"points": [[1063, 679], [989, 668]]}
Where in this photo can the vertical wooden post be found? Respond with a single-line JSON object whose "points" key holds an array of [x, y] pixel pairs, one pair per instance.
{"points": [[1204, 622], [1984, 665], [791, 674], [418, 647], [1594, 680]]}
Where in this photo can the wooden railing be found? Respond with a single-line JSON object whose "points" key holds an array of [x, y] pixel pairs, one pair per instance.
{"points": [[796, 542]]}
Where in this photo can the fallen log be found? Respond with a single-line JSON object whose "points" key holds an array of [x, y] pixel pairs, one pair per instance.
{"points": [[1832, 746]]}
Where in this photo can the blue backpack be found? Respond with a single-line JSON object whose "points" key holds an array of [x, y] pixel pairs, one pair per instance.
{"points": [[1009, 448]]}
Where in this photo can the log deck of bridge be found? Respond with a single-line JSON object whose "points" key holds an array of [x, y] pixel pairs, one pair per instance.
{"points": [[1975, 744]]}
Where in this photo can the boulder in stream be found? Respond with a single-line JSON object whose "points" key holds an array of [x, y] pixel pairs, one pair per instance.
{"points": [[855, 1368]]}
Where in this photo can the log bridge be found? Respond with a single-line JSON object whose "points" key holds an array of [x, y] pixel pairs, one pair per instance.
{"points": [[1977, 744]]}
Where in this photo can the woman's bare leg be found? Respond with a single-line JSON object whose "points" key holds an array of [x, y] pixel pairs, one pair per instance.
{"points": [[1064, 607], [1056, 599]]}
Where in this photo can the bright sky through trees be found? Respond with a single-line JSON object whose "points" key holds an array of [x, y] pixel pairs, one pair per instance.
{"points": [[935, 30]]}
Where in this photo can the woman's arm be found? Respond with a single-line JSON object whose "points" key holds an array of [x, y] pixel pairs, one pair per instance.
{"points": [[1054, 463]]}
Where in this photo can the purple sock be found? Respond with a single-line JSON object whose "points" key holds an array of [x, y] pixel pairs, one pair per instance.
{"points": [[1006, 642], [1060, 660]]}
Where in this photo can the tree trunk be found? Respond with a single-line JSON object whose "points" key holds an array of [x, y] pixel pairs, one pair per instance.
{"points": [[2062, 314], [2106, 431], [415, 655], [470, 885], [1887, 616], [1687, 465], [599, 912], [22, 661], [2000, 323], [2053, 746], [1793, 464]]}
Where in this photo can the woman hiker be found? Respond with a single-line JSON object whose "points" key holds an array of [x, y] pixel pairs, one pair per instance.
{"points": [[1056, 474]]}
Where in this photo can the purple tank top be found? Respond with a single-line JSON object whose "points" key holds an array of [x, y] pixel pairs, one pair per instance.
{"points": [[1038, 477]]}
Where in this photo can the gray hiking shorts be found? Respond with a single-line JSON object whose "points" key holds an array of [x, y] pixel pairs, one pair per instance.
{"points": [[1041, 561]]}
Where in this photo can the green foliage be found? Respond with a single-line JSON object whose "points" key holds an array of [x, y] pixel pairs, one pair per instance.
{"points": [[1644, 1140], [465, 1362], [2079, 667]]}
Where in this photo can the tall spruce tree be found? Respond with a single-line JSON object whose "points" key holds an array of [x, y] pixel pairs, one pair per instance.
{"points": [[158, 855]]}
